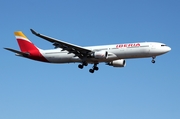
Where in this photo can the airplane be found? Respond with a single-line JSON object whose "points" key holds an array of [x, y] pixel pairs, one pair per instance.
{"points": [[64, 52]]}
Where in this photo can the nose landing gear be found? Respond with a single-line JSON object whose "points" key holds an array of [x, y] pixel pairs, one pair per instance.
{"points": [[153, 61]]}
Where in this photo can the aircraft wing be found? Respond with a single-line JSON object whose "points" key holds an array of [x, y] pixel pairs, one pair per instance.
{"points": [[71, 48]]}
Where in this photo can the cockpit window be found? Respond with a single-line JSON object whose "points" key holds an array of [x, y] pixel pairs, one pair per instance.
{"points": [[163, 45]]}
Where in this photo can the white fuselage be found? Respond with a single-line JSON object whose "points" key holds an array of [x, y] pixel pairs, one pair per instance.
{"points": [[115, 52], [113, 55]]}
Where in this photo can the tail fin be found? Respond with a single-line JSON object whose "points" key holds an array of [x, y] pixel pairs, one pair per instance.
{"points": [[24, 43]]}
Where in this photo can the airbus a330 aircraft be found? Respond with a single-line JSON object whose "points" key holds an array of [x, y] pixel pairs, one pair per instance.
{"points": [[112, 55]]}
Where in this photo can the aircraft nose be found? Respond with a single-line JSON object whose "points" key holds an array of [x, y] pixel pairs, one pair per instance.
{"points": [[168, 49]]}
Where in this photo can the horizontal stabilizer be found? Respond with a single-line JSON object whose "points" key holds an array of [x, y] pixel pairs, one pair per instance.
{"points": [[17, 52]]}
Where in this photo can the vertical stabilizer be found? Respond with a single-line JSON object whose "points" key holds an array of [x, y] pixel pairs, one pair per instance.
{"points": [[24, 43], [28, 48]]}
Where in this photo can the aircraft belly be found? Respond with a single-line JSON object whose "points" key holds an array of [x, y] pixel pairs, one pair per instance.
{"points": [[60, 58]]}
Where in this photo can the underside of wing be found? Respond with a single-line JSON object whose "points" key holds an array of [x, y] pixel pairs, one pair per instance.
{"points": [[71, 48]]}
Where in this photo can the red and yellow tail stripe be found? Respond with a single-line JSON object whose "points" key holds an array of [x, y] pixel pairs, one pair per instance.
{"points": [[27, 46], [20, 35]]}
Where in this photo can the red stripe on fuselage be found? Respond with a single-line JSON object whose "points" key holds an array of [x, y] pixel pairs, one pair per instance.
{"points": [[33, 51], [36, 55]]}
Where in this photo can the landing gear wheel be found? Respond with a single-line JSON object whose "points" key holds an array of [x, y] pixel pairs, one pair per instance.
{"points": [[80, 66], [85, 64], [153, 61], [91, 71], [96, 68]]}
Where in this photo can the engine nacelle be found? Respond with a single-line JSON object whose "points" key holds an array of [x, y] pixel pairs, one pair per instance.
{"points": [[118, 63], [100, 54]]}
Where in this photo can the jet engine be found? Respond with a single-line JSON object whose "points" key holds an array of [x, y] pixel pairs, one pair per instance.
{"points": [[100, 54], [117, 63]]}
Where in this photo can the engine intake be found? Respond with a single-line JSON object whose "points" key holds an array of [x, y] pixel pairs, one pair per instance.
{"points": [[117, 63]]}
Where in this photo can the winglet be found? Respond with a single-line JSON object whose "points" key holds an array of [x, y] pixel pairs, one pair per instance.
{"points": [[34, 32]]}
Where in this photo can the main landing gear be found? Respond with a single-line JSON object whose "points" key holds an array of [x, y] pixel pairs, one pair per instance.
{"points": [[153, 61], [94, 68], [82, 65]]}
